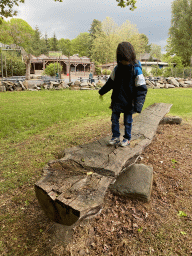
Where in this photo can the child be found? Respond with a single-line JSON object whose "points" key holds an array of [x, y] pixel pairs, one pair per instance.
{"points": [[129, 91]]}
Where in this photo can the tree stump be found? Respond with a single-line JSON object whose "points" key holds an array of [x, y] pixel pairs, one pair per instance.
{"points": [[73, 187]]}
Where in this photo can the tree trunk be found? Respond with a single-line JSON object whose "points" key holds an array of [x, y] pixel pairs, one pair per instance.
{"points": [[28, 66], [74, 186]]}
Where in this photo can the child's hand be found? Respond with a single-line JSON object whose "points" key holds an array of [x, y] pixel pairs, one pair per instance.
{"points": [[101, 97]]}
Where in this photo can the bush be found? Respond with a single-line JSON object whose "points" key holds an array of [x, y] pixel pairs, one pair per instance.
{"points": [[52, 69], [145, 73], [156, 71], [177, 72], [167, 72], [109, 72], [106, 72], [97, 70]]}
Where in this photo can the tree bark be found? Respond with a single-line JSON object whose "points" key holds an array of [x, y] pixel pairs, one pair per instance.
{"points": [[28, 66]]}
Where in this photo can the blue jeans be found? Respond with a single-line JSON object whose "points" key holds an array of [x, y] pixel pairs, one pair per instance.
{"points": [[127, 123]]}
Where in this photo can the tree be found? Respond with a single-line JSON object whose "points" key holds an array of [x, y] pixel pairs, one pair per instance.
{"points": [[81, 44], [20, 32], [96, 27], [65, 46], [106, 40], [45, 44], [5, 36], [155, 51], [146, 42], [180, 40], [36, 43], [53, 42], [6, 7]]}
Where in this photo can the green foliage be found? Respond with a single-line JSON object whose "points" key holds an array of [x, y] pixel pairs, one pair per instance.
{"points": [[96, 26], [167, 72], [7, 7], [109, 35], [180, 39], [156, 71], [97, 70], [145, 73], [106, 72], [53, 43], [182, 214], [52, 69], [16, 31], [172, 60], [81, 44], [14, 64], [177, 72], [155, 51], [124, 3], [36, 43], [65, 46], [145, 41]]}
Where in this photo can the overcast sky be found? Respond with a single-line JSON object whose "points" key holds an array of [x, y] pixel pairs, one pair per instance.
{"points": [[71, 17]]}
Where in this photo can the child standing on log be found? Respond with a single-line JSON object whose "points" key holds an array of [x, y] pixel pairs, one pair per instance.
{"points": [[129, 91]]}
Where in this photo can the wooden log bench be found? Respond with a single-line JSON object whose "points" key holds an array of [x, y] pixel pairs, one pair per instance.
{"points": [[73, 187]]}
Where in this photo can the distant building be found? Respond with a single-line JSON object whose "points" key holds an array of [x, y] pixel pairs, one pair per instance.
{"points": [[146, 57], [77, 65], [145, 63]]}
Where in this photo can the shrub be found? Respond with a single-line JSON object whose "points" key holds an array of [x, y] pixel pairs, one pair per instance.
{"points": [[106, 72], [109, 72], [97, 70], [52, 69], [167, 72], [156, 71], [145, 73]]}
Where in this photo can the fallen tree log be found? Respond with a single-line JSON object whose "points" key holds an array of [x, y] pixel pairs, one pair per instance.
{"points": [[74, 186]]}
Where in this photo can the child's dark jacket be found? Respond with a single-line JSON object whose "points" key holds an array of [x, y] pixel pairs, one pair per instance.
{"points": [[129, 88]]}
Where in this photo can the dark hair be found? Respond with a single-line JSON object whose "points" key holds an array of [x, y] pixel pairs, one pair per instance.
{"points": [[125, 51]]}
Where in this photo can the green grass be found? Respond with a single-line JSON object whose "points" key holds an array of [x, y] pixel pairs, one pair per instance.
{"points": [[26, 113], [180, 98], [30, 112]]}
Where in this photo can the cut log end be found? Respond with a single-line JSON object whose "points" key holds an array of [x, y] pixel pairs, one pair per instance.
{"points": [[70, 192]]}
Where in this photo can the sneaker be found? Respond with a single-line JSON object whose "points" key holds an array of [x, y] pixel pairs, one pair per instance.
{"points": [[114, 141], [124, 143]]}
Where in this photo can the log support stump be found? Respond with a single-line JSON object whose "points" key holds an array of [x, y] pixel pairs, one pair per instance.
{"points": [[73, 187]]}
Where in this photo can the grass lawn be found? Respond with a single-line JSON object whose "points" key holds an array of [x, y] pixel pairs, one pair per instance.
{"points": [[34, 127]]}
